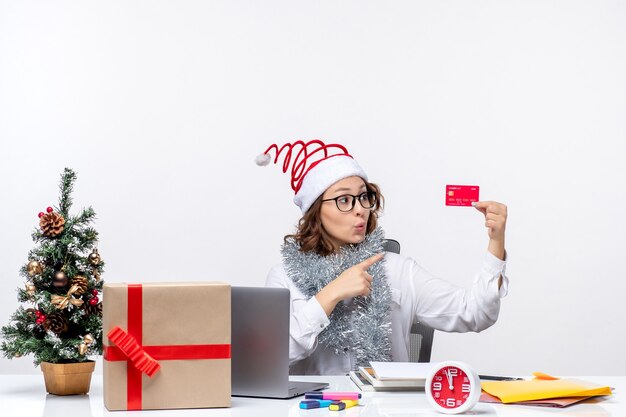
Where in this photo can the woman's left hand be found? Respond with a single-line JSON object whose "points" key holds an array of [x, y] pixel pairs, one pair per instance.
{"points": [[495, 220]]}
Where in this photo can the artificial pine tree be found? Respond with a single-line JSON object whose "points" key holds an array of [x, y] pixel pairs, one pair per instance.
{"points": [[63, 286]]}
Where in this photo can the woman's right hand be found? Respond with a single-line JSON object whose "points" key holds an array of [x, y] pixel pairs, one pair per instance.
{"points": [[352, 282]]}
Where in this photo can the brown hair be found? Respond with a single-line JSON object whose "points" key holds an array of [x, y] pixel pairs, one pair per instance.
{"points": [[311, 235]]}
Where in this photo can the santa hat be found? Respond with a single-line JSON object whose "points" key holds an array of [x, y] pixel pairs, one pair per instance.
{"points": [[315, 166]]}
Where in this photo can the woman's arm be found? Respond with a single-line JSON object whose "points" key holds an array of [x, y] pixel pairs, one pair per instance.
{"points": [[448, 307], [307, 319], [495, 221]]}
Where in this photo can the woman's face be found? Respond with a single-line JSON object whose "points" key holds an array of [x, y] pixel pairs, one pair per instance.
{"points": [[345, 227]]}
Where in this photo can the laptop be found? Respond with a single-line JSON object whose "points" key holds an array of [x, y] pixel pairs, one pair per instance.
{"points": [[260, 344]]}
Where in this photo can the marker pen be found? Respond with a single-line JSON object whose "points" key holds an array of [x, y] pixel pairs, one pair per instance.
{"points": [[321, 395], [499, 378], [342, 405], [309, 404]]}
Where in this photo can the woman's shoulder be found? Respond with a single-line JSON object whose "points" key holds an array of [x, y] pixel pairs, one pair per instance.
{"points": [[400, 268], [277, 276], [277, 270], [396, 259]]}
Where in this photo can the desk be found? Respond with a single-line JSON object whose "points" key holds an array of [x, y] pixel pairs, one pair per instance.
{"points": [[25, 396]]}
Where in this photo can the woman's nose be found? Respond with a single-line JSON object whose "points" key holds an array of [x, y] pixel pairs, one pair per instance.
{"points": [[358, 209]]}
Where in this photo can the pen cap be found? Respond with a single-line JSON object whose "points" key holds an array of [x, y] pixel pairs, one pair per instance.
{"points": [[337, 406], [308, 404]]}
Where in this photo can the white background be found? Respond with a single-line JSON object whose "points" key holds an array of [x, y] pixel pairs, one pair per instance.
{"points": [[162, 106]]}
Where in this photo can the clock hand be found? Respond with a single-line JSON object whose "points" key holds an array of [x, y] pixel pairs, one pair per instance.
{"points": [[449, 375]]}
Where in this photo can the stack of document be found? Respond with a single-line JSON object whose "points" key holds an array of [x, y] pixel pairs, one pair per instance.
{"points": [[391, 376], [542, 390]]}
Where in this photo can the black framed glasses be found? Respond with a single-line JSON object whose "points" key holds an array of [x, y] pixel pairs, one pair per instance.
{"points": [[346, 202]]}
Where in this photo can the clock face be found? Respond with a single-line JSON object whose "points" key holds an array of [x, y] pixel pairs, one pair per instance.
{"points": [[451, 387]]}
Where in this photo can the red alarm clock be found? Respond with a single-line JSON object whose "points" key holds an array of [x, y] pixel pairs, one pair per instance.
{"points": [[452, 387]]}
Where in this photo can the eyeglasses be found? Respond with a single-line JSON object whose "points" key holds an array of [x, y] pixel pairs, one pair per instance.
{"points": [[346, 202]]}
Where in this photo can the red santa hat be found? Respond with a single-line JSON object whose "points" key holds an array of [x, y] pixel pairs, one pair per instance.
{"points": [[314, 165]]}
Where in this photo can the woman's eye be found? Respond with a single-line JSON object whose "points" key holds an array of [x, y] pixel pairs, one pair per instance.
{"points": [[342, 200]]}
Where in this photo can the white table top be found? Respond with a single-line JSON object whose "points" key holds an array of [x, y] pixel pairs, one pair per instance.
{"points": [[25, 396]]}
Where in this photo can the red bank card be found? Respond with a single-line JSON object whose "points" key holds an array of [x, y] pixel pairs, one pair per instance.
{"points": [[461, 195]]}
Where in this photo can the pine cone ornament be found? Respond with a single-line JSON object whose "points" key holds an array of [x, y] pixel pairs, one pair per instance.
{"points": [[51, 224], [93, 310], [82, 284], [56, 323]]}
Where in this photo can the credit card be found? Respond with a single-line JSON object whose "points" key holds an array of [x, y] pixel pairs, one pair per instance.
{"points": [[461, 195]]}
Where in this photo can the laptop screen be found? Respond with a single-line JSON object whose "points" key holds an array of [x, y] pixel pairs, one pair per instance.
{"points": [[260, 344], [260, 341]]}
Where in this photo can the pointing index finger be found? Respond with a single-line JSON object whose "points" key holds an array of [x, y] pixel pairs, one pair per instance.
{"points": [[372, 260]]}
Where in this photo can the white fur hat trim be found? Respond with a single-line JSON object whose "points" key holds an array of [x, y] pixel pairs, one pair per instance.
{"points": [[323, 175]]}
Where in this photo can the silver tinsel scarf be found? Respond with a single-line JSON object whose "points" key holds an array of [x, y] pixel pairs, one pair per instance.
{"points": [[361, 325]]}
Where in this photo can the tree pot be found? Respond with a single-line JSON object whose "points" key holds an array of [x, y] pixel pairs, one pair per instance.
{"points": [[67, 378]]}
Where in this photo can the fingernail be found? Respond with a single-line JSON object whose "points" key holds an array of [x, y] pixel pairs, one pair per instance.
{"points": [[473, 204]]}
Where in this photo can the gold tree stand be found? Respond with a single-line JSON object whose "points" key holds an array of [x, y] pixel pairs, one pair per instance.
{"points": [[67, 378]]}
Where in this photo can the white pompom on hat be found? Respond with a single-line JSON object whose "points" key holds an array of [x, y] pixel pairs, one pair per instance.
{"points": [[315, 166]]}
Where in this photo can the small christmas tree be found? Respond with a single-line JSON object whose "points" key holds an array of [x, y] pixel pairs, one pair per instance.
{"points": [[63, 286]]}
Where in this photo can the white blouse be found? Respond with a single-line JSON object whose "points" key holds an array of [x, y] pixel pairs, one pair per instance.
{"points": [[416, 296]]}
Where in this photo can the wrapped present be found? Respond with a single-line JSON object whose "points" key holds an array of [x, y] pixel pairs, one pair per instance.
{"points": [[166, 345]]}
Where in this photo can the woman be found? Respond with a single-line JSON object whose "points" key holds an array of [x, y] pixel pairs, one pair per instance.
{"points": [[350, 301]]}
